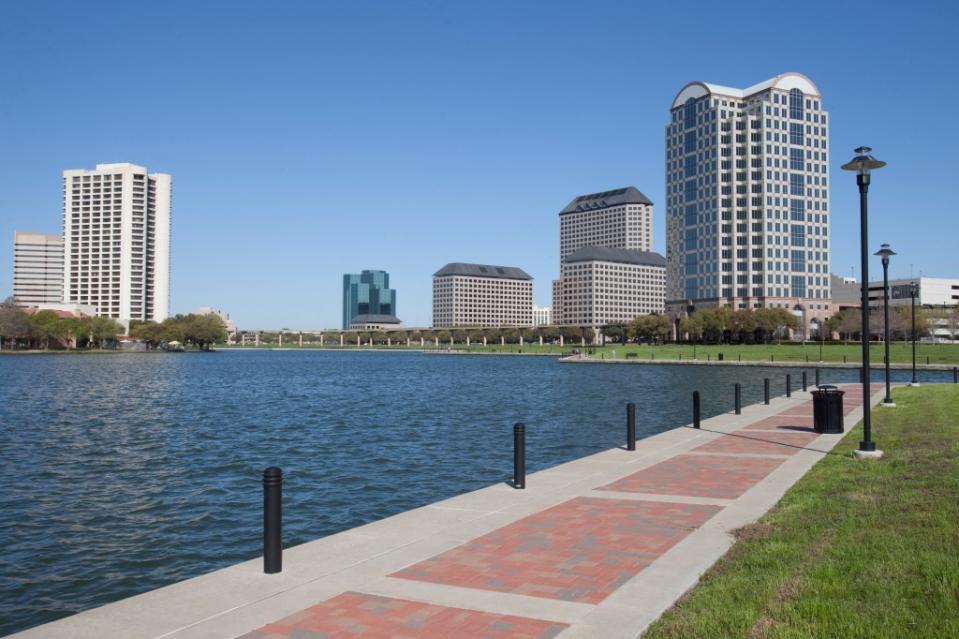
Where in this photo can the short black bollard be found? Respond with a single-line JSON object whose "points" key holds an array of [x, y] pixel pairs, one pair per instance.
{"points": [[738, 394], [955, 375], [272, 520], [807, 359], [630, 426], [789, 385], [805, 384], [843, 359], [927, 360], [740, 357], [817, 378], [695, 409], [519, 455], [766, 391], [770, 358]]}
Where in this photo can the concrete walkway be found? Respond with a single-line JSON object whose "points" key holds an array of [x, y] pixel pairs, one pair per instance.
{"points": [[597, 547]]}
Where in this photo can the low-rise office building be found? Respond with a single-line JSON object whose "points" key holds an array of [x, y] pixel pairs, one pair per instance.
{"points": [[601, 285], [375, 322], [542, 315], [482, 295], [37, 268]]}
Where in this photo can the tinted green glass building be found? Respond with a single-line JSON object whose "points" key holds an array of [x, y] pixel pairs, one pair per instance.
{"points": [[367, 293]]}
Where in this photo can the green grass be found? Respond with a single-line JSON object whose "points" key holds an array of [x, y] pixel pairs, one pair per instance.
{"points": [[899, 352], [854, 549]]}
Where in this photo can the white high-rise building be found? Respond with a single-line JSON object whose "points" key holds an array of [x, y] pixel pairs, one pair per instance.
{"points": [[747, 198], [116, 231], [621, 218], [37, 268], [621, 221]]}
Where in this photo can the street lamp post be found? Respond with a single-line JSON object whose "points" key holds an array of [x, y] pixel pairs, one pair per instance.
{"points": [[913, 293], [885, 253], [863, 164]]}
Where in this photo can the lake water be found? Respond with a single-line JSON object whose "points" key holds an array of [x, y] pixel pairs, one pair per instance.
{"points": [[127, 472]]}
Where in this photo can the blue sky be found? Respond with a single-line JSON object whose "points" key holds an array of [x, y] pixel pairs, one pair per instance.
{"points": [[311, 139]]}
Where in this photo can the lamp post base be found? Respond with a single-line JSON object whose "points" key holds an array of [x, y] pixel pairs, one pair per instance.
{"points": [[889, 404], [867, 454]]}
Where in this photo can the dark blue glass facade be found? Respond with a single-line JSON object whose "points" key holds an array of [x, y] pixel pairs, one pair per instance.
{"points": [[367, 293]]}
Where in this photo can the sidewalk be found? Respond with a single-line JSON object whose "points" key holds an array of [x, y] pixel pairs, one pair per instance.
{"points": [[597, 547]]}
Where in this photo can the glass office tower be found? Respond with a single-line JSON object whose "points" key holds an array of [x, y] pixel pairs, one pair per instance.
{"points": [[367, 293]]}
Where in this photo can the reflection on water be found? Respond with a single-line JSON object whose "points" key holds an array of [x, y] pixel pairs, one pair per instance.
{"points": [[127, 472]]}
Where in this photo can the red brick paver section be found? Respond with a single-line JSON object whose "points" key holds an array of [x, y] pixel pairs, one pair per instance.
{"points": [[783, 423], [698, 476], [758, 443], [354, 614], [581, 550]]}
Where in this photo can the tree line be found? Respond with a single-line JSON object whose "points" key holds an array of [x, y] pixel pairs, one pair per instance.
{"points": [[46, 329], [745, 326], [200, 331], [848, 323]]}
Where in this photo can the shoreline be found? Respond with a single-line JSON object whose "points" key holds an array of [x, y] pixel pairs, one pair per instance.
{"points": [[566, 359]]}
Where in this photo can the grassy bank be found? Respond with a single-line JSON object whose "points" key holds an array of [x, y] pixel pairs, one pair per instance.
{"points": [[900, 353], [855, 548]]}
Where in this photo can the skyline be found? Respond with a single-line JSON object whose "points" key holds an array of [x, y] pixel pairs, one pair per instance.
{"points": [[291, 168]]}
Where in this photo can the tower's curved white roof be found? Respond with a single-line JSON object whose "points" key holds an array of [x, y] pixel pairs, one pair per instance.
{"points": [[786, 81]]}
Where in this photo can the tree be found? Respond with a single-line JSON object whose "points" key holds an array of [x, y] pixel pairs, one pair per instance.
{"points": [[203, 330], [616, 333], [46, 325], [104, 329], [14, 324], [549, 333]]}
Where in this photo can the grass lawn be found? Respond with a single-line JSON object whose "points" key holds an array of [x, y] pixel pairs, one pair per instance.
{"points": [[831, 352], [855, 548]]}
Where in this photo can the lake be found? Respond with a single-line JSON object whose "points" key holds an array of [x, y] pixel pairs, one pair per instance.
{"points": [[126, 472]]}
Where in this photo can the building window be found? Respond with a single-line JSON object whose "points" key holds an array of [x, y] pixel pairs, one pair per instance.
{"points": [[795, 104]]}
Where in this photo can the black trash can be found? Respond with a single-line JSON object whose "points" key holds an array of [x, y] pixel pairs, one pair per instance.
{"points": [[827, 409]]}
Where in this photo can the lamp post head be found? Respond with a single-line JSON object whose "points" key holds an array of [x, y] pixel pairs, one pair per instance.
{"points": [[885, 253], [863, 163]]}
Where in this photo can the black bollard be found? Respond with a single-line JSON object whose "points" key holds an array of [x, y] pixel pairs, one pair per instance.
{"points": [[807, 359], [272, 520], [695, 409], [630, 426], [766, 391], [817, 378], [770, 358], [955, 375], [805, 384], [843, 359], [738, 395], [927, 360], [519, 455], [789, 385]]}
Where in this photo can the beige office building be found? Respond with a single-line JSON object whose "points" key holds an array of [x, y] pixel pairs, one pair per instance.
{"points": [[37, 268], [620, 220], [602, 285], [482, 295], [747, 199], [116, 231]]}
